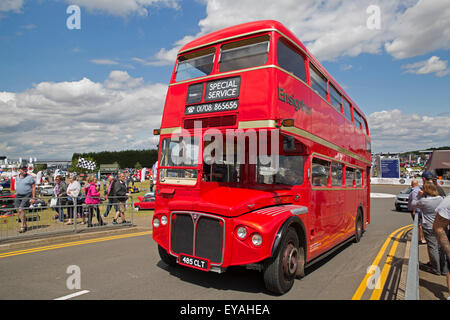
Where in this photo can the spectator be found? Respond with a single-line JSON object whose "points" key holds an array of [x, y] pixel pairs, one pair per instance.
{"points": [[441, 229], [413, 195], [438, 187], [92, 200], [120, 197], [428, 204], [109, 194], [73, 192], [25, 192], [60, 192], [428, 176]]}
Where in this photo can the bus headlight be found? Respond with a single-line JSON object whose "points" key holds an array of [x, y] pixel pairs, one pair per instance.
{"points": [[156, 222], [241, 232], [164, 220], [257, 239]]}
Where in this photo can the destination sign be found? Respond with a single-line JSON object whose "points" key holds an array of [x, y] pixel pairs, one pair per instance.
{"points": [[212, 107], [223, 89]]}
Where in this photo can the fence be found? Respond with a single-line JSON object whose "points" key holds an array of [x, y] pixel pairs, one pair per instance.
{"points": [[66, 215], [412, 278]]}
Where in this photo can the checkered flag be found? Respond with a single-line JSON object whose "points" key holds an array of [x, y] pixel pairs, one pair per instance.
{"points": [[86, 164]]}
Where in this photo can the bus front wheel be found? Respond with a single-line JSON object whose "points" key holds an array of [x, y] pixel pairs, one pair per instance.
{"points": [[166, 257], [280, 271]]}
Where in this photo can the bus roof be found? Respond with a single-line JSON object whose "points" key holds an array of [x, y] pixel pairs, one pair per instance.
{"points": [[254, 27]]}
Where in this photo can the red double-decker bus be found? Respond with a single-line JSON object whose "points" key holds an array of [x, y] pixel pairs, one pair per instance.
{"points": [[290, 180]]}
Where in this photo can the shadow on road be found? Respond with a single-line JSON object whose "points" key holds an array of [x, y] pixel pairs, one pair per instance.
{"points": [[235, 278]]}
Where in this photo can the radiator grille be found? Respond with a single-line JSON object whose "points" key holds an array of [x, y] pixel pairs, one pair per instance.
{"points": [[202, 238]]}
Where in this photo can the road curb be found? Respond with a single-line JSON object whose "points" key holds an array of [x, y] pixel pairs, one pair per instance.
{"points": [[48, 240]]}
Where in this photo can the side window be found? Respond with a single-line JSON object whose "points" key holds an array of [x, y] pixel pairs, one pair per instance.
{"points": [[368, 146], [320, 172], [349, 176], [347, 111], [335, 98], [290, 60], [358, 178], [363, 122], [358, 119], [318, 82], [336, 174], [244, 54]]}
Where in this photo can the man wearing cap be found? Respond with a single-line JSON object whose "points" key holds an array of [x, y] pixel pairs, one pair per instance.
{"points": [[428, 176], [25, 192]]}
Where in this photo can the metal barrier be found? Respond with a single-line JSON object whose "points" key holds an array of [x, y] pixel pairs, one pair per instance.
{"points": [[68, 215], [412, 279]]}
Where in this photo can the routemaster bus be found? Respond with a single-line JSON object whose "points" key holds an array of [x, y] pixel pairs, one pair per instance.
{"points": [[264, 160]]}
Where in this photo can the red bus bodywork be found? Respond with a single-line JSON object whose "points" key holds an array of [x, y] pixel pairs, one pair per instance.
{"points": [[323, 217]]}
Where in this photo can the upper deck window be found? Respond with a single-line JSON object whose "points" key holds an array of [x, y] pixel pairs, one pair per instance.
{"points": [[195, 64], [358, 119], [364, 126], [347, 110], [290, 60], [244, 54], [335, 98], [318, 82]]}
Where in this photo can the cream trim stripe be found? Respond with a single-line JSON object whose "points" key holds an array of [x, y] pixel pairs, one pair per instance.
{"points": [[324, 142], [257, 124]]}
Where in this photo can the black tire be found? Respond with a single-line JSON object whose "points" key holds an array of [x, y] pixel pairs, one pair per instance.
{"points": [[359, 227], [166, 257], [280, 271]]}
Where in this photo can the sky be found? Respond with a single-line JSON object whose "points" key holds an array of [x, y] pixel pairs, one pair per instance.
{"points": [[100, 85]]}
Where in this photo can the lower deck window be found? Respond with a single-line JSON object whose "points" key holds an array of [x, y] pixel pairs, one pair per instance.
{"points": [[320, 172]]}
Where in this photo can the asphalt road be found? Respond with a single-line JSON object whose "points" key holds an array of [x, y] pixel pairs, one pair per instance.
{"points": [[130, 268]]}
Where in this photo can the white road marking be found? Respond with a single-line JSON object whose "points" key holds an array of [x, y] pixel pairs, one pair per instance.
{"points": [[73, 295], [382, 195]]}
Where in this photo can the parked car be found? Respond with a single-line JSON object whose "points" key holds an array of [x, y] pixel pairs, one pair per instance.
{"points": [[401, 200], [46, 190], [6, 201], [145, 203]]}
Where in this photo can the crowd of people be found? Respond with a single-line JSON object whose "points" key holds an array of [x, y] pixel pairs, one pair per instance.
{"points": [[432, 206], [71, 199]]}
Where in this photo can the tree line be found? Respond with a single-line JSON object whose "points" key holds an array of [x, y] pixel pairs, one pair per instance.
{"points": [[126, 159]]}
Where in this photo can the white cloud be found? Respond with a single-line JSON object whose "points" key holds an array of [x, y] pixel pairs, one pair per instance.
{"points": [[122, 80], [394, 131], [123, 7], [422, 28], [11, 5], [55, 119], [335, 29], [104, 61], [432, 65]]}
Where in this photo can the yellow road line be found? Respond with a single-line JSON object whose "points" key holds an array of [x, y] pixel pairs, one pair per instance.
{"points": [[376, 294], [363, 285], [74, 243]]}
